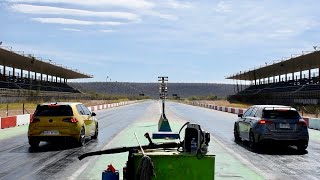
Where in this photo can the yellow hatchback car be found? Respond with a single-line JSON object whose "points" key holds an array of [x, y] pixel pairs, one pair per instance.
{"points": [[60, 121]]}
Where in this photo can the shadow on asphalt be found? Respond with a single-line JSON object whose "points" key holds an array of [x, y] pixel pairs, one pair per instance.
{"points": [[57, 146], [272, 149]]}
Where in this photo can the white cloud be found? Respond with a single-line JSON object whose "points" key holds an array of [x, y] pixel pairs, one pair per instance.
{"points": [[134, 12], [106, 30], [178, 5], [71, 29], [160, 15], [75, 22], [131, 4], [248, 22], [33, 9], [223, 7]]}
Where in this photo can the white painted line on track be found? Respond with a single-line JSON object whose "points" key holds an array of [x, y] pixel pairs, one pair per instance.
{"points": [[244, 161], [76, 174], [81, 169]]}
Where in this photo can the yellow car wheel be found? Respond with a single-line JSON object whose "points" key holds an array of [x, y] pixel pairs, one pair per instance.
{"points": [[82, 137], [95, 136], [33, 142]]}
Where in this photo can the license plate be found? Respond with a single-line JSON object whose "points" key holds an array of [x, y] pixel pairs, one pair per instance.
{"points": [[50, 132], [284, 126]]}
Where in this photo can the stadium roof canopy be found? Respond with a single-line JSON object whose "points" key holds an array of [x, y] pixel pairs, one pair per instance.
{"points": [[292, 65], [30, 63]]}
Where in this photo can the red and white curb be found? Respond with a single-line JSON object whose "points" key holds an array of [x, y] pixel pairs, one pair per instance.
{"points": [[313, 123], [18, 120]]}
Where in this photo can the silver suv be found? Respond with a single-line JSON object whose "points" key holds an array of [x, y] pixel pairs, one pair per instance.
{"points": [[263, 123]]}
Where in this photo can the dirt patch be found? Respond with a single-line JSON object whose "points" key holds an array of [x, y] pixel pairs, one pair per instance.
{"points": [[226, 103], [96, 102], [17, 108]]}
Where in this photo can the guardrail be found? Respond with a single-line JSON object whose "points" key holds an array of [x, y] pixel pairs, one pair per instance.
{"points": [[313, 123]]}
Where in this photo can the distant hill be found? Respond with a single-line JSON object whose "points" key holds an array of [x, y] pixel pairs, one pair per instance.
{"points": [[183, 90]]}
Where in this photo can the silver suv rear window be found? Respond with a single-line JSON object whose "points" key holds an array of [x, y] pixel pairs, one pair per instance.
{"points": [[280, 114], [53, 110]]}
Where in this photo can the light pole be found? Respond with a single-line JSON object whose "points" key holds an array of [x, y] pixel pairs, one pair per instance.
{"points": [[163, 90], [164, 129]]}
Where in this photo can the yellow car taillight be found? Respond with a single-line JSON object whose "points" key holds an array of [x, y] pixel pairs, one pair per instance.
{"points": [[34, 120], [71, 120]]}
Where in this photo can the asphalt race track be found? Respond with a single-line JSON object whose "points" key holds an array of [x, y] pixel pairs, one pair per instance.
{"points": [[59, 161], [270, 162], [51, 161]]}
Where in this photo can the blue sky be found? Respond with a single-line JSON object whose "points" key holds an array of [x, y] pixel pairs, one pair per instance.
{"points": [[139, 40]]}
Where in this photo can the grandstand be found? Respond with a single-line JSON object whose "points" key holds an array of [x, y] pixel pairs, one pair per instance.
{"points": [[294, 80], [23, 75]]}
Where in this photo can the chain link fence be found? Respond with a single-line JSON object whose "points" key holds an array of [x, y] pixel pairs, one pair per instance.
{"points": [[310, 111], [15, 109]]}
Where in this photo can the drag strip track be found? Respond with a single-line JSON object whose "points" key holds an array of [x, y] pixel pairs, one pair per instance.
{"points": [[53, 161], [59, 161], [275, 162]]}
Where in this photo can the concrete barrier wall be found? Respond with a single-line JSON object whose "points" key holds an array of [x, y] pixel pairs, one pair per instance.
{"points": [[314, 123], [12, 121], [23, 119]]}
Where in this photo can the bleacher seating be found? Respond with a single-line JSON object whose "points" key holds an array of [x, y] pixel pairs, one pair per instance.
{"points": [[254, 89], [24, 83], [280, 92], [7, 85], [311, 87]]}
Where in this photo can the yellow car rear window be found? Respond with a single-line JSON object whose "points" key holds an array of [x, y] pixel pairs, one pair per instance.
{"points": [[53, 110]]}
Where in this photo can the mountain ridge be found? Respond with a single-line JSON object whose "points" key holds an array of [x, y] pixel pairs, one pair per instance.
{"points": [[183, 90]]}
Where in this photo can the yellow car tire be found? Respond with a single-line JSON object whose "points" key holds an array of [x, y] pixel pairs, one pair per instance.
{"points": [[33, 142], [96, 132], [82, 137]]}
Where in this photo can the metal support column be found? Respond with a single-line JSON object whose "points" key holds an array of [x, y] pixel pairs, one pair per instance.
{"points": [[292, 76], [319, 75], [309, 74], [255, 77], [286, 77], [274, 79], [14, 73]]}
